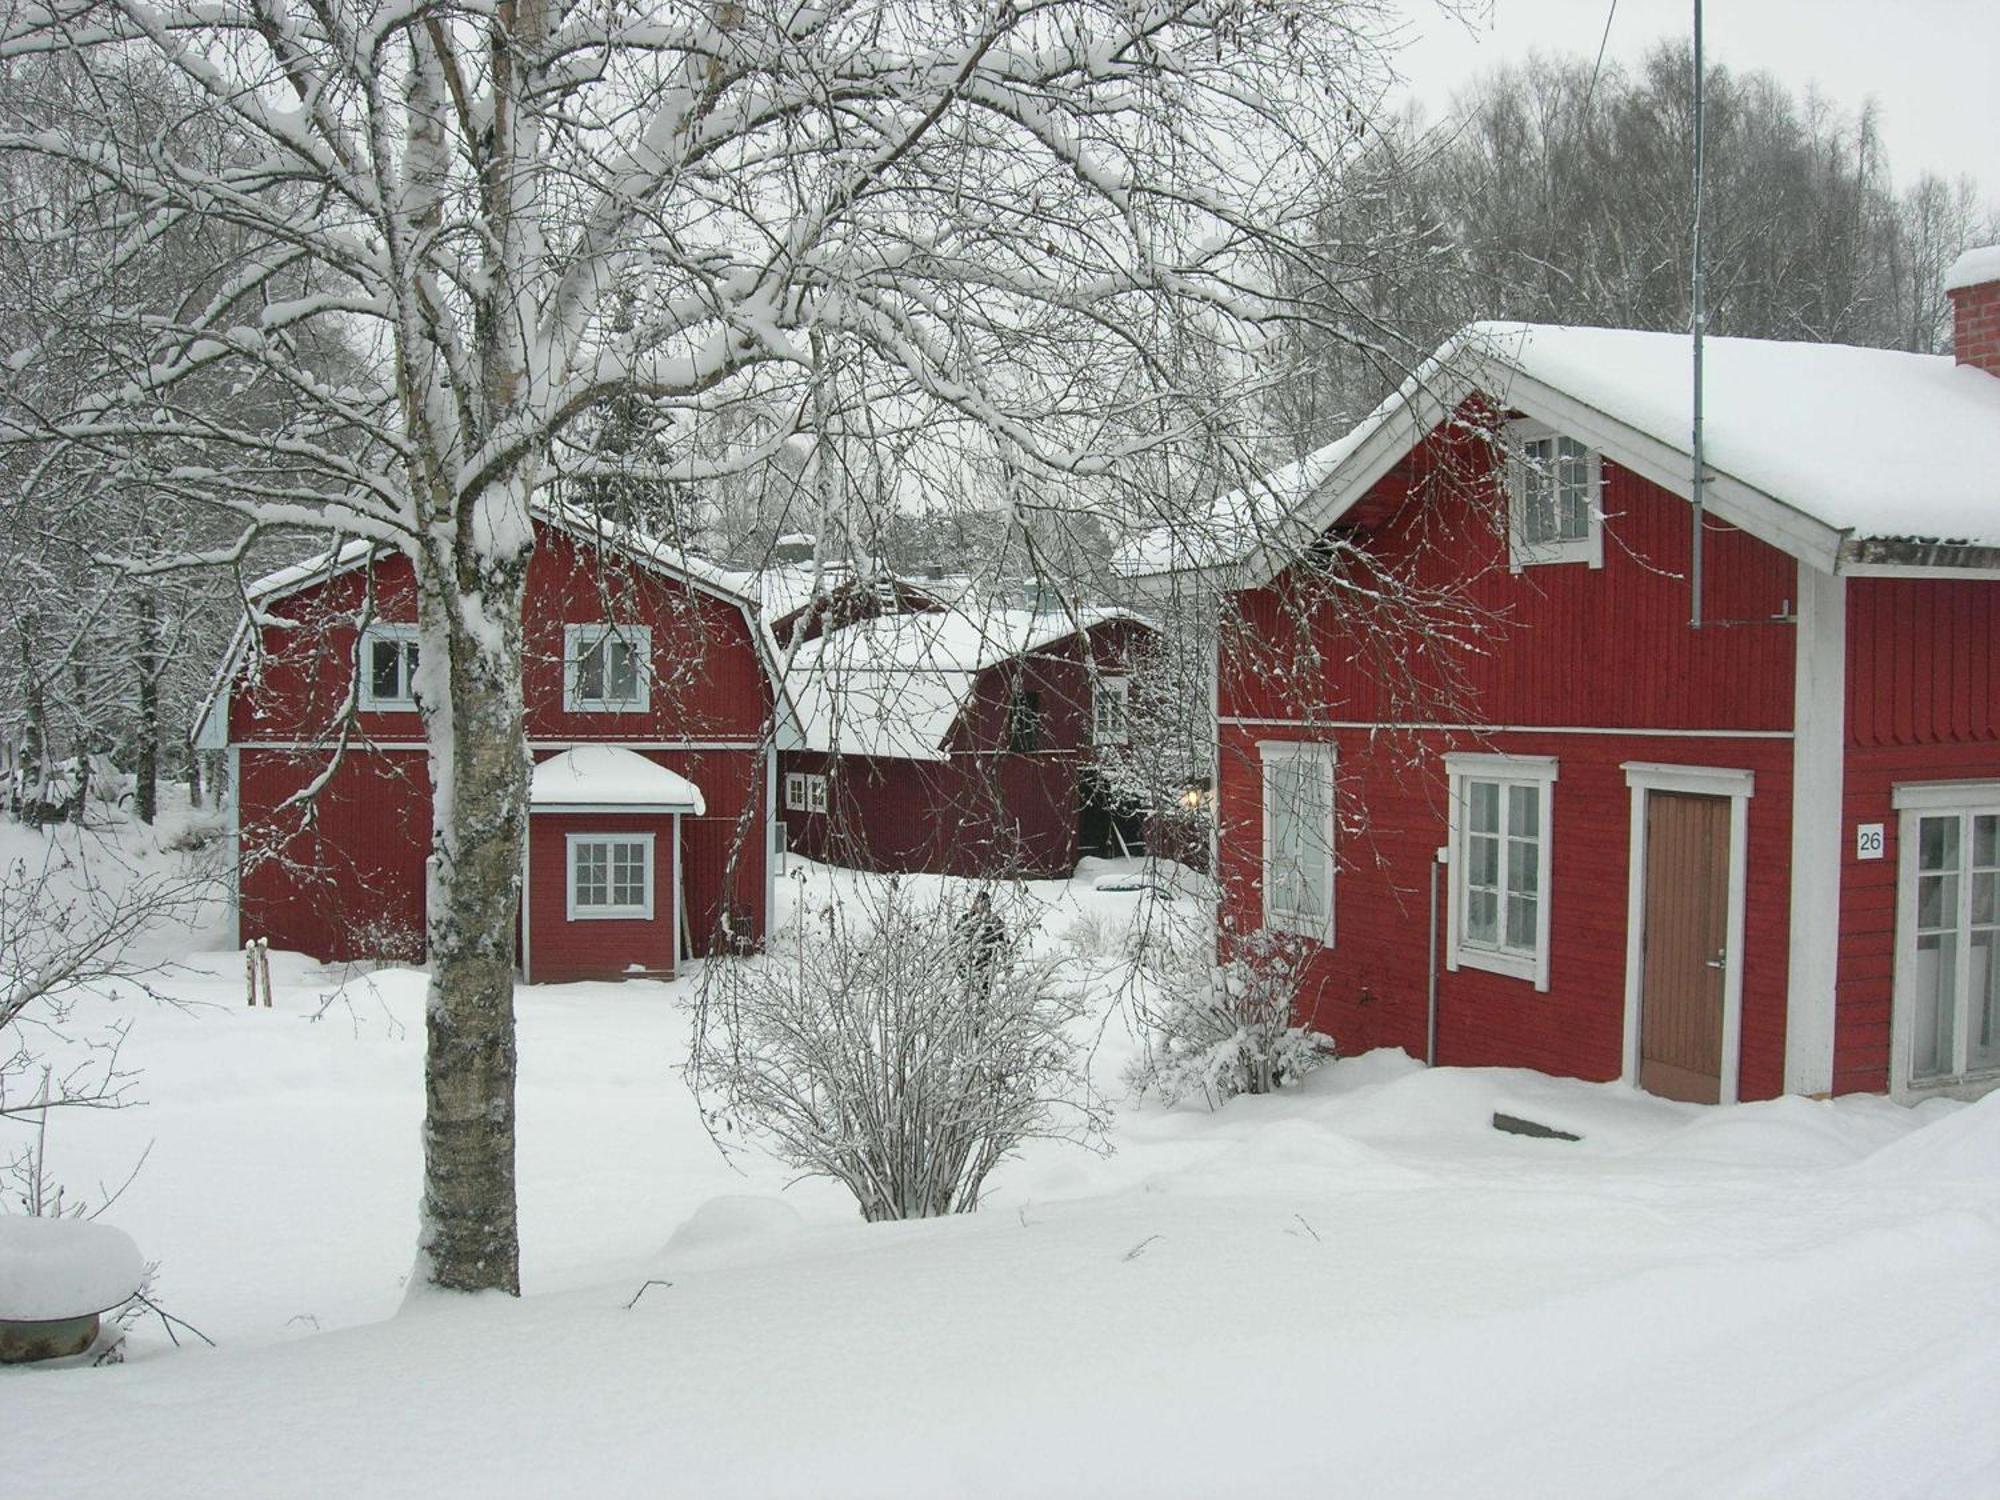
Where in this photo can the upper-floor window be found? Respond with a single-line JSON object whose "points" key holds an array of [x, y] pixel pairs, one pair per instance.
{"points": [[1108, 703], [1499, 817], [1024, 720], [606, 668], [389, 667], [1553, 514]]}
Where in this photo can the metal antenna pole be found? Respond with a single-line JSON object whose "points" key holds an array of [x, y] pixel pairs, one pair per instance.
{"points": [[1700, 326]]}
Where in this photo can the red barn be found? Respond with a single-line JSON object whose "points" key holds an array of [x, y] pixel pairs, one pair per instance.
{"points": [[650, 704], [958, 742], [1722, 861]]}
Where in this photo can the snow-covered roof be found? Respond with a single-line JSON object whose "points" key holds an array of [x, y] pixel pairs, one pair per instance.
{"points": [[1872, 442], [1813, 446], [894, 686], [53, 1268], [610, 776]]}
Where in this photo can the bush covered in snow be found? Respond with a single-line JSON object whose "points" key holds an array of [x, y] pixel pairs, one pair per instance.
{"points": [[1223, 1030], [900, 1047]]}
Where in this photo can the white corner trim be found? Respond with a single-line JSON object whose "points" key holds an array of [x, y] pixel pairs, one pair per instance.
{"points": [[234, 836], [1819, 741], [1543, 771], [527, 907], [1645, 777]]}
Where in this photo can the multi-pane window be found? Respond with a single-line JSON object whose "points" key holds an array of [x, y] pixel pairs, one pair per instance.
{"points": [[1298, 839], [1952, 1010], [1108, 723], [795, 791], [1552, 482], [389, 667], [1024, 721], [610, 875], [605, 668], [1500, 858]]}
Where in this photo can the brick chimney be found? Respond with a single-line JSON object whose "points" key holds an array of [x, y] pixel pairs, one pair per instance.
{"points": [[1973, 284]]}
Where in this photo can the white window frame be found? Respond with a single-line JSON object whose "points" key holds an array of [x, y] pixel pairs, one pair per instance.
{"points": [[1521, 553], [1105, 692], [405, 637], [1319, 927], [641, 912], [1539, 771], [579, 641], [795, 791], [816, 794], [1914, 801]]}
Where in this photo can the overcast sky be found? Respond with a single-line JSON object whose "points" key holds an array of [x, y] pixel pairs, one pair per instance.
{"points": [[1932, 66]]}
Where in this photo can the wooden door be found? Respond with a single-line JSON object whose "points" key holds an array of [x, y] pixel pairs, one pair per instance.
{"points": [[1687, 917]]}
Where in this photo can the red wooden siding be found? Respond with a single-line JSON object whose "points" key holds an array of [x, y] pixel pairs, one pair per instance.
{"points": [[709, 683], [344, 877], [1368, 990], [349, 882], [1607, 647], [1605, 650], [561, 950], [1923, 679], [983, 810]]}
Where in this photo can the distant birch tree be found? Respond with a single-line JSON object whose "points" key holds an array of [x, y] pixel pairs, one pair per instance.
{"points": [[523, 211]]}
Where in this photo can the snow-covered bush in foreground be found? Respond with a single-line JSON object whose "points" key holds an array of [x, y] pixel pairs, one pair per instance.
{"points": [[1223, 1030], [901, 1048]]}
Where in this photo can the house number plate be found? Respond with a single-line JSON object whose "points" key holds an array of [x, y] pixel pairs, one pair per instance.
{"points": [[1868, 841]]}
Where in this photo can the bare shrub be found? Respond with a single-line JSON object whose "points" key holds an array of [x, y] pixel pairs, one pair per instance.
{"points": [[1222, 1030], [901, 1048]]}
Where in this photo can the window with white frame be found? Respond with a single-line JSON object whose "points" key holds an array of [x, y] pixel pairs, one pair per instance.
{"points": [[606, 668], [816, 794], [610, 876], [1500, 811], [1948, 969], [389, 667], [795, 791], [1108, 704], [1298, 838], [1553, 514]]}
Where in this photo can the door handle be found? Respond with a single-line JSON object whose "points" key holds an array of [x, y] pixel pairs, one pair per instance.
{"points": [[1720, 961]]}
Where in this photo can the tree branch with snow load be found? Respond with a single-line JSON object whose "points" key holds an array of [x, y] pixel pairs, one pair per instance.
{"points": [[450, 199]]}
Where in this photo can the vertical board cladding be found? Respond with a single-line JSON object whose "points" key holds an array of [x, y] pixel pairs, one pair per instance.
{"points": [[1569, 644], [562, 950], [724, 852], [1923, 679], [343, 876], [709, 682], [1369, 989], [348, 879], [983, 810], [969, 814]]}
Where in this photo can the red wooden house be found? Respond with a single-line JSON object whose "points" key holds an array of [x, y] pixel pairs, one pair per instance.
{"points": [[958, 741], [1720, 861], [650, 703]]}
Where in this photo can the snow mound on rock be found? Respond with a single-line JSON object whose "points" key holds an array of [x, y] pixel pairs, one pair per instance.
{"points": [[735, 1219], [64, 1268]]}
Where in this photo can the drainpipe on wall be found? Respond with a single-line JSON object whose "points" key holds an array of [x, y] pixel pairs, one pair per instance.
{"points": [[1442, 858]]}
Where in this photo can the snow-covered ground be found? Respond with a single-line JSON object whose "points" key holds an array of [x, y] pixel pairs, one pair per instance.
{"points": [[1355, 1287]]}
